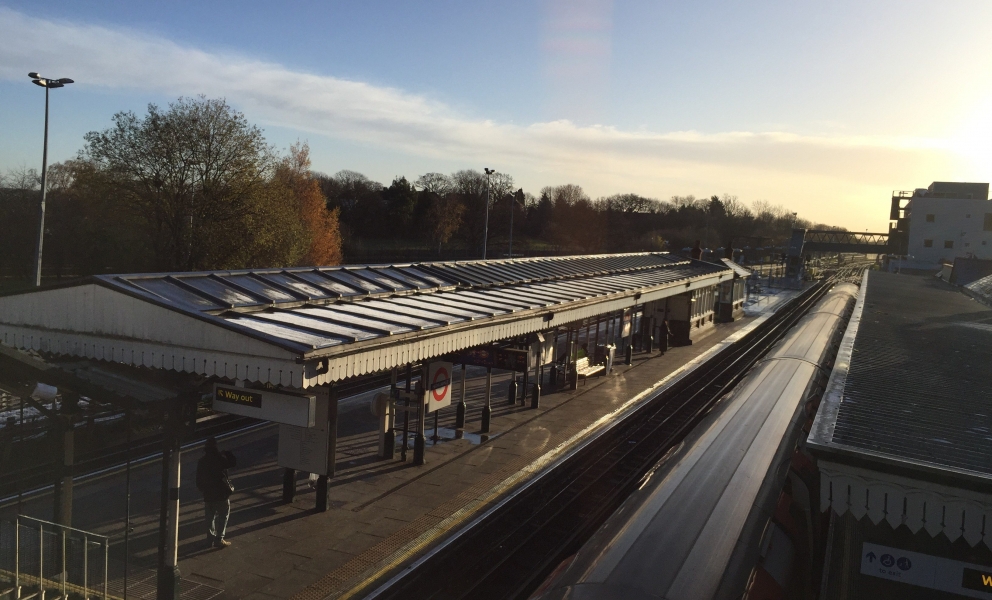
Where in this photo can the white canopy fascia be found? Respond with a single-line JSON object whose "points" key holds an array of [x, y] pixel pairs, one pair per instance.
{"points": [[915, 503]]}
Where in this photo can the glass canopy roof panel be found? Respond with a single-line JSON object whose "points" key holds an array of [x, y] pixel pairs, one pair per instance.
{"points": [[554, 268], [466, 275], [423, 274], [358, 283], [357, 321], [322, 315], [359, 309], [392, 307], [552, 290], [486, 296], [400, 276], [515, 295], [380, 279], [436, 303], [463, 298], [217, 289], [287, 281], [318, 279], [307, 320], [284, 332], [250, 283], [173, 293]]}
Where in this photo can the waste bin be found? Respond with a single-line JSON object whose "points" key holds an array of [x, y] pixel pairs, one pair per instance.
{"points": [[605, 353]]}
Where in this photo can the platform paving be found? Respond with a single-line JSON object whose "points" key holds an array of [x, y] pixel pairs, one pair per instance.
{"points": [[383, 513]]}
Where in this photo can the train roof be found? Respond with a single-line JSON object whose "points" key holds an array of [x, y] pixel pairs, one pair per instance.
{"points": [[692, 529]]}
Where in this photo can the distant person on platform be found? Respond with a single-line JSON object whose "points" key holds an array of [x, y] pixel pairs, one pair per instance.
{"points": [[697, 251], [216, 487], [664, 332], [583, 351]]}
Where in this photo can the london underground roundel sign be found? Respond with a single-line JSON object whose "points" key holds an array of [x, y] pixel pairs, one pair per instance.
{"points": [[439, 388]]}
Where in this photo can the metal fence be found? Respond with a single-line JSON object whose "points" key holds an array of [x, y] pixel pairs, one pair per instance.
{"points": [[41, 559]]}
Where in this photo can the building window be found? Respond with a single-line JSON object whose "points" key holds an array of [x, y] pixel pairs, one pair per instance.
{"points": [[928, 243], [930, 218], [949, 243], [988, 222]]}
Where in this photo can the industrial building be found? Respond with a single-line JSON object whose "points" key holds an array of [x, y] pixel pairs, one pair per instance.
{"points": [[942, 222]]}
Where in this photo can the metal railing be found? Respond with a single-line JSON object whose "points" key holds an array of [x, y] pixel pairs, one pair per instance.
{"points": [[54, 560]]}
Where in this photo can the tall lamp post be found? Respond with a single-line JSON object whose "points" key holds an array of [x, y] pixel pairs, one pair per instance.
{"points": [[513, 207], [48, 84], [485, 231]]}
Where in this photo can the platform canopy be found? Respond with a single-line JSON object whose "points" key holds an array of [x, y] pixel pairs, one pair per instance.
{"points": [[301, 327]]}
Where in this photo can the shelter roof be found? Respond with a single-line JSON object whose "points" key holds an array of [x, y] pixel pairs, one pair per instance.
{"points": [[336, 321], [911, 392], [980, 289], [736, 268]]}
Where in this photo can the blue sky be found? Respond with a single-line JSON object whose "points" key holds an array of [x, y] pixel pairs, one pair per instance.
{"points": [[822, 108]]}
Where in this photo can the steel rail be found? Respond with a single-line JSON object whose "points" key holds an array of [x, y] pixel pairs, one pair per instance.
{"points": [[35, 479], [510, 551]]}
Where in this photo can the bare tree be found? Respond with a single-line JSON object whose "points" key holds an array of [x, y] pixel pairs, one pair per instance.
{"points": [[469, 183], [195, 172], [436, 183], [567, 195], [502, 185], [628, 203]]}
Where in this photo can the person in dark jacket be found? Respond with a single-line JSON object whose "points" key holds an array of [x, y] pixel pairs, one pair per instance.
{"points": [[664, 334], [213, 483]]}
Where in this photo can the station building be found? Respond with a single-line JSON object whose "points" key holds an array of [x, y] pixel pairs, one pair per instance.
{"points": [[943, 221], [903, 443]]}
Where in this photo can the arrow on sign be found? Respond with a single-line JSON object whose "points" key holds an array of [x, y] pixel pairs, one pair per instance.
{"points": [[871, 557]]}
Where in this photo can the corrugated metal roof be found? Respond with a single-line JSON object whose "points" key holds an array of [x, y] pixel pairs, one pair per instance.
{"points": [[919, 387], [385, 313]]}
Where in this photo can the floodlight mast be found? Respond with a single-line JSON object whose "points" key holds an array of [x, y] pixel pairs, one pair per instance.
{"points": [[47, 84]]}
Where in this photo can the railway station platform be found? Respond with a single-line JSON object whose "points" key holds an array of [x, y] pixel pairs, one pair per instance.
{"points": [[382, 513]]}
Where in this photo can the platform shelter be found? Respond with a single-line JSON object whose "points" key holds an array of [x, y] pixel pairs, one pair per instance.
{"points": [[276, 340]]}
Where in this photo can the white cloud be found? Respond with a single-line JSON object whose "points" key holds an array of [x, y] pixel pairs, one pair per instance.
{"points": [[802, 171]]}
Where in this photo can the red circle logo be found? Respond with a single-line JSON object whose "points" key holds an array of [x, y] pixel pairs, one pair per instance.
{"points": [[439, 392]]}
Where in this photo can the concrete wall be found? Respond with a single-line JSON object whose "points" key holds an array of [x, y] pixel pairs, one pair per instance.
{"points": [[955, 220]]}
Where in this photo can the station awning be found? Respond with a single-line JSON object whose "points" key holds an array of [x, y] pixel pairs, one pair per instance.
{"points": [[301, 327]]}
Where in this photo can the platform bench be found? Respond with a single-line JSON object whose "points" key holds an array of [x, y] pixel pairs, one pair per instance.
{"points": [[583, 369]]}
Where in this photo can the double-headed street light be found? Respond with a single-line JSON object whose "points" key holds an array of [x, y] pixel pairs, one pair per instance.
{"points": [[47, 84]]}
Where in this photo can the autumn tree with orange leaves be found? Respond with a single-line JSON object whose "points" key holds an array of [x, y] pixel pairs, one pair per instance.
{"points": [[323, 246]]}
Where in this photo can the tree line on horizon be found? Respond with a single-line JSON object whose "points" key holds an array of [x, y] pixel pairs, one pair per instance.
{"points": [[195, 186]]}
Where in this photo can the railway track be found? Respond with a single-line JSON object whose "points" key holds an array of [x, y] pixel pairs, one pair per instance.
{"points": [[33, 480], [512, 549]]}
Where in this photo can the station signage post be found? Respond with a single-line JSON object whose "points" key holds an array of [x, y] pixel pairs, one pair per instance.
{"points": [[439, 385], [279, 407], [507, 359]]}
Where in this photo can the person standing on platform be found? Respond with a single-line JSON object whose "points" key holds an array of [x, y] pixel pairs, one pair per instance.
{"points": [[216, 487], [664, 332]]}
